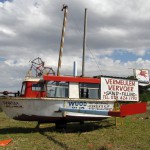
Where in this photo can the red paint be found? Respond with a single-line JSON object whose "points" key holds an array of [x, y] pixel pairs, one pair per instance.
{"points": [[72, 79], [114, 113], [132, 109], [30, 93], [143, 73], [5, 142], [35, 94], [129, 109]]}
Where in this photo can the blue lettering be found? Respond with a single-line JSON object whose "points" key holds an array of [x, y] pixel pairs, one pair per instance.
{"points": [[71, 103], [74, 107], [77, 103]]}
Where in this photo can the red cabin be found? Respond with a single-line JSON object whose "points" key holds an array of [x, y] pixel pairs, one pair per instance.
{"points": [[34, 88], [69, 86]]}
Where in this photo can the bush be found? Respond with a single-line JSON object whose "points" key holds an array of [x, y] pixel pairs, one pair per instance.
{"points": [[145, 96]]}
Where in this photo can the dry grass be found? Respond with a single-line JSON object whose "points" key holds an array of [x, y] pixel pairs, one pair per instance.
{"points": [[135, 134]]}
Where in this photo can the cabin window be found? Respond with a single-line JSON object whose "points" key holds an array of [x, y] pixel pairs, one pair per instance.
{"points": [[57, 89], [23, 88], [88, 90], [38, 87]]}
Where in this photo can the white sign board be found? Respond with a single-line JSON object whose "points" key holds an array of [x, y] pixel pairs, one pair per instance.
{"points": [[89, 105], [119, 89], [142, 75]]}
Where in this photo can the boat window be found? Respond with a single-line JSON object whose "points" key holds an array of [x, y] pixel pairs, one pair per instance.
{"points": [[88, 90], [23, 88], [38, 87], [57, 89]]}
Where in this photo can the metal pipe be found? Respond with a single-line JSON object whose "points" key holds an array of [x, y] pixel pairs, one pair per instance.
{"points": [[84, 42], [92, 112], [75, 68], [65, 9]]}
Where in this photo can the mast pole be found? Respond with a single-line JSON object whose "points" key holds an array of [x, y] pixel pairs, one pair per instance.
{"points": [[65, 9], [84, 42]]}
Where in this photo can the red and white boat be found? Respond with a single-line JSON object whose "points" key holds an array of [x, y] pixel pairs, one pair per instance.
{"points": [[60, 99], [57, 99]]}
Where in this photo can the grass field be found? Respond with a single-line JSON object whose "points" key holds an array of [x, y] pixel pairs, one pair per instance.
{"points": [[133, 135]]}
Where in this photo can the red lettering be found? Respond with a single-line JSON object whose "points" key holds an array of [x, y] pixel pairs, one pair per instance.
{"points": [[109, 81], [110, 87], [120, 82]]}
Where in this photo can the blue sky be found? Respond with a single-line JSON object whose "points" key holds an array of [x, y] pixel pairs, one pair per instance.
{"points": [[2, 59], [118, 37], [125, 56], [3, 1]]}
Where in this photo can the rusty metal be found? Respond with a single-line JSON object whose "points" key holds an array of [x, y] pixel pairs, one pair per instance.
{"points": [[38, 65], [6, 93]]}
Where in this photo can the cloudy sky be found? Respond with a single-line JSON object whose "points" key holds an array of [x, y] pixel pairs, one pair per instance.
{"points": [[118, 37]]}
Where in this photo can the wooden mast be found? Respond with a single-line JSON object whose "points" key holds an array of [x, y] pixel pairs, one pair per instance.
{"points": [[65, 9]]}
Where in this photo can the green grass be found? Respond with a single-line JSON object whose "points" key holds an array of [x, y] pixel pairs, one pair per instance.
{"points": [[133, 135]]}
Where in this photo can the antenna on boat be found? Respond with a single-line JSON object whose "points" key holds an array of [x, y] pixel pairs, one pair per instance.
{"points": [[65, 9], [84, 41]]}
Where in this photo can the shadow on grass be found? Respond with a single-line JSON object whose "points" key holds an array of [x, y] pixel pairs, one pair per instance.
{"points": [[71, 128], [75, 128], [54, 140], [87, 126]]}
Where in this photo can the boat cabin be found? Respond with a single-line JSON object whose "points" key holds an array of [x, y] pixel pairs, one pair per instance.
{"points": [[33, 87], [61, 87]]}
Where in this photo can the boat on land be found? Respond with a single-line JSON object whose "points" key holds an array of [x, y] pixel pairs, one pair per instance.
{"points": [[50, 98]]}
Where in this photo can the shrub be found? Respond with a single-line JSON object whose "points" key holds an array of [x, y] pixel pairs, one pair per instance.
{"points": [[145, 96]]}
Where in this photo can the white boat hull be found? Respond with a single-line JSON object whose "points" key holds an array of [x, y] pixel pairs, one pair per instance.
{"points": [[47, 109]]}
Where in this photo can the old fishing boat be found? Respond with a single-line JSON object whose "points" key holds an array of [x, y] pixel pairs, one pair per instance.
{"points": [[47, 97]]}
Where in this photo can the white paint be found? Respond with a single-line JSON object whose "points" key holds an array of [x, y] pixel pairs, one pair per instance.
{"points": [[36, 79], [119, 89], [73, 90], [14, 108], [89, 106], [49, 108]]}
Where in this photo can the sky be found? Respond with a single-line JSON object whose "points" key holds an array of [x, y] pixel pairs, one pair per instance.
{"points": [[118, 37]]}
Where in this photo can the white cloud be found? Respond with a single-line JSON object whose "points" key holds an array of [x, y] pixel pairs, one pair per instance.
{"points": [[139, 63], [138, 51], [113, 31], [7, 31], [31, 29]]}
